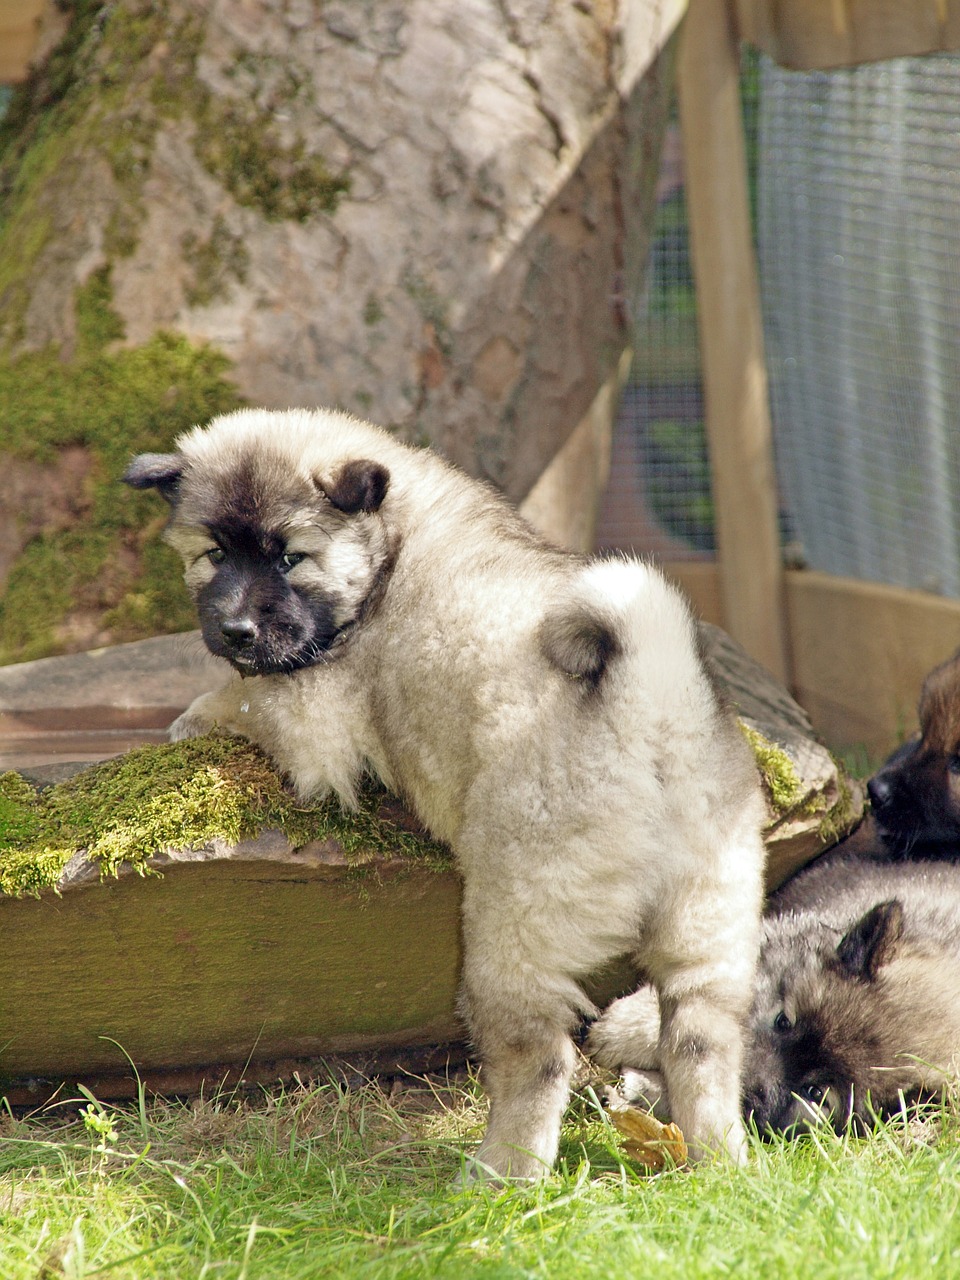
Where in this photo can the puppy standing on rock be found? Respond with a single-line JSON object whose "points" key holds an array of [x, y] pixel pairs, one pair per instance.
{"points": [[548, 716]]}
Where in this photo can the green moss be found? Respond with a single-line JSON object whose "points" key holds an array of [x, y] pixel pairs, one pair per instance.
{"points": [[98, 324], [373, 311], [788, 794], [83, 129], [84, 119], [215, 261], [246, 154], [86, 122], [843, 814], [18, 816], [781, 781], [180, 796], [108, 563]]}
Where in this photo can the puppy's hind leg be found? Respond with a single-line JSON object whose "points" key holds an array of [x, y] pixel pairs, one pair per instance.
{"points": [[701, 1052], [527, 1060]]}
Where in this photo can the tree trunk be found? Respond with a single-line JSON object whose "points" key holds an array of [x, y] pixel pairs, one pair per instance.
{"points": [[434, 215]]}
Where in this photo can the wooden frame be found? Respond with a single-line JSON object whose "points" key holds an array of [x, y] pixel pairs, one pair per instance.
{"points": [[731, 335], [854, 653], [860, 650]]}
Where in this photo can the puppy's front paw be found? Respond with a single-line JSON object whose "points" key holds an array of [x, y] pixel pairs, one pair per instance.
{"points": [[189, 725]]}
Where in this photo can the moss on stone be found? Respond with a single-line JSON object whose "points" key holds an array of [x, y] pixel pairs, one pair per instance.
{"points": [[107, 565], [781, 781], [180, 796], [840, 817], [260, 171], [84, 123], [215, 262], [77, 141]]}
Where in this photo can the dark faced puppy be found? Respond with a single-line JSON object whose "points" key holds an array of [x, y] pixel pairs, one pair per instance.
{"points": [[255, 540], [857, 1006], [550, 717], [916, 795]]}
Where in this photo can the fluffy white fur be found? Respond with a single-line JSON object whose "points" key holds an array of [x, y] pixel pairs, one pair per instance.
{"points": [[551, 718]]}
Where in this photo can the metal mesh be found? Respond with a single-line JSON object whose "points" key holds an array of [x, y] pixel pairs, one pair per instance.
{"points": [[859, 242], [659, 499], [855, 179]]}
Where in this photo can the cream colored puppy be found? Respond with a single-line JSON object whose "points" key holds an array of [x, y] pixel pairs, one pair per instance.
{"points": [[549, 716]]}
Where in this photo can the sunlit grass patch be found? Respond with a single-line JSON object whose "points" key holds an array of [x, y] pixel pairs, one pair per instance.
{"points": [[318, 1180]]}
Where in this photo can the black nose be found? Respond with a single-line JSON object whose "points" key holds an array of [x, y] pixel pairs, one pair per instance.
{"points": [[880, 790], [238, 632]]}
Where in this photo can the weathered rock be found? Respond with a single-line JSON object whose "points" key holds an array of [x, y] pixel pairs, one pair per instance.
{"points": [[270, 950], [812, 800]]}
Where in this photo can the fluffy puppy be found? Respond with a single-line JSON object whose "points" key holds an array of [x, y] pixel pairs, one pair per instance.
{"points": [[857, 1008], [548, 716]]}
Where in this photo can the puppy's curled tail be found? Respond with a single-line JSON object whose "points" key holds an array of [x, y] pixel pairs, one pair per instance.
{"points": [[618, 612]]}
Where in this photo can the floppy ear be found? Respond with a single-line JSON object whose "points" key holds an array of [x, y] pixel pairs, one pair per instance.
{"points": [[360, 485], [872, 942], [160, 471]]}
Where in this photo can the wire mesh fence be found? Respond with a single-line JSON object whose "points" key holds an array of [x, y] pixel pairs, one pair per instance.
{"points": [[854, 180], [859, 242]]}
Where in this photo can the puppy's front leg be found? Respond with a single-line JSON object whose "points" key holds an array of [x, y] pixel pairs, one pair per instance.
{"points": [[225, 708]]}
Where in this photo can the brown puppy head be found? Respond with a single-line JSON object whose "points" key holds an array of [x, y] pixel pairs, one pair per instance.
{"points": [[915, 797], [282, 561]]}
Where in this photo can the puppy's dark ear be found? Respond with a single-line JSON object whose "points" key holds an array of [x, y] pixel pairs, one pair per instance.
{"points": [[360, 485], [872, 942], [160, 471]]}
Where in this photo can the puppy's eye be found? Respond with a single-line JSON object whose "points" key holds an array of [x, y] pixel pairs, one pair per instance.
{"points": [[813, 1093], [216, 555], [782, 1023], [289, 559], [953, 764]]}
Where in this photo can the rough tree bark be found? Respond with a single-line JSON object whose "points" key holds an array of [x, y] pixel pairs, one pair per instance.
{"points": [[433, 214]]}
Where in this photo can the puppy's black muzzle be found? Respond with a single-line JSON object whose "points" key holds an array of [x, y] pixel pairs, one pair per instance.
{"points": [[880, 790], [238, 634]]}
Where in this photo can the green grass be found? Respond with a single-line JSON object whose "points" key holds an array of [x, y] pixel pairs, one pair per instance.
{"points": [[321, 1181]]}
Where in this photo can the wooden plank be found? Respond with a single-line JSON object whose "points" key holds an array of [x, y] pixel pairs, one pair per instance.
{"points": [[24, 26], [860, 653], [220, 961], [731, 337], [805, 34], [565, 501], [265, 953], [860, 649]]}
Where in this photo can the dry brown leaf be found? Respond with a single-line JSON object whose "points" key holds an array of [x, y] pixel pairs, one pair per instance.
{"points": [[645, 1139]]}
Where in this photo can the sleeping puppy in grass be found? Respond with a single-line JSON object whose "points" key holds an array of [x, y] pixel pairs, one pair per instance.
{"points": [[856, 1011], [549, 716], [857, 1008]]}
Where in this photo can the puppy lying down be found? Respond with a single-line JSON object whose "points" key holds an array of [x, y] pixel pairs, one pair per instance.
{"points": [[857, 1004]]}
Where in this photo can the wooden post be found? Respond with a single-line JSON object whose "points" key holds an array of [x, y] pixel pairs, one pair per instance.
{"points": [[731, 336]]}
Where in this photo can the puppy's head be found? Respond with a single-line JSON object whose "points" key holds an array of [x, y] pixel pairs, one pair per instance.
{"points": [[819, 1050], [915, 796], [281, 559]]}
